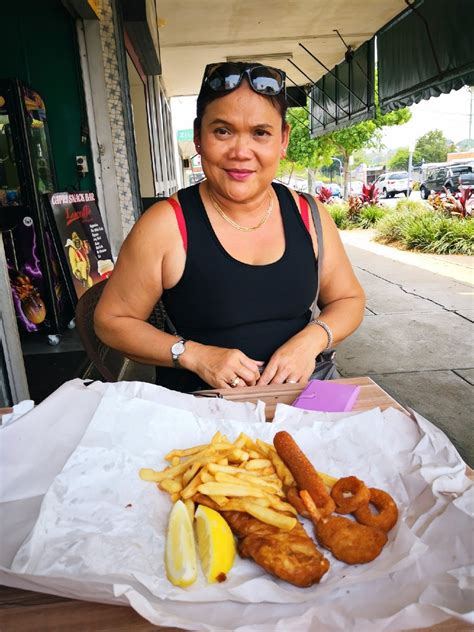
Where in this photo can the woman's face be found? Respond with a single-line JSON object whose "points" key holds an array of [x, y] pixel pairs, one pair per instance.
{"points": [[241, 143]]}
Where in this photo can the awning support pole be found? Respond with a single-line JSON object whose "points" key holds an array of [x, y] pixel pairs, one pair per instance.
{"points": [[305, 109], [326, 95], [333, 75], [312, 101], [349, 57]]}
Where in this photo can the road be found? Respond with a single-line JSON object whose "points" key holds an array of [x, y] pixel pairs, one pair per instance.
{"points": [[392, 202], [417, 339]]}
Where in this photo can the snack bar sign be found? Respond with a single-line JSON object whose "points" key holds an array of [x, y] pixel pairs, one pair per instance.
{"points": [[83, 238]]}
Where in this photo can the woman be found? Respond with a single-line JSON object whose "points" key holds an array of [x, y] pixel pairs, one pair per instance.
{"points": [[231, 257]]}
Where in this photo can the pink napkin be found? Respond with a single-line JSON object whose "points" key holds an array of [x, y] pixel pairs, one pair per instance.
{"points": [[327, 396]]}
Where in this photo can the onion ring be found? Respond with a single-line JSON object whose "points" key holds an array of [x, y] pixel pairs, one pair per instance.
{"points": [[387, 515], [349, 493]]}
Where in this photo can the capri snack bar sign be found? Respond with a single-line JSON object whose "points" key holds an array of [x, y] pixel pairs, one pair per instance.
{"points": [[83, 238]]}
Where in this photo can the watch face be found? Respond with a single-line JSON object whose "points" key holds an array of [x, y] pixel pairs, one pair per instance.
{"points": [[178, 348]]}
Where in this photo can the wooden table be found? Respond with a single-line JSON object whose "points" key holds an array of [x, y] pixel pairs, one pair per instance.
{"points": [[370, 396], [27, 611]]}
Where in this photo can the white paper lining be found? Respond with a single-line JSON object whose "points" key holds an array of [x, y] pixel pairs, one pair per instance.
{"points": [[87, 535]]}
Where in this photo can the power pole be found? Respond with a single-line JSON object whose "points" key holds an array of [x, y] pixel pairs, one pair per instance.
{"points": [[471, 108]]}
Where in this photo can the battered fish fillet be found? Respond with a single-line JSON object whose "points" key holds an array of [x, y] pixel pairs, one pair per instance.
{"points": [[350, 541], [289, 555]]}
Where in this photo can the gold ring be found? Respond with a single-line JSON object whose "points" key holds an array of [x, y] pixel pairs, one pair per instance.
{"points": [[235, 382]]}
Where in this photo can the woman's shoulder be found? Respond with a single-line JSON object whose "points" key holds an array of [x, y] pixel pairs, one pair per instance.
{"points": [[166, 205], [284, 189], [158, 223]]}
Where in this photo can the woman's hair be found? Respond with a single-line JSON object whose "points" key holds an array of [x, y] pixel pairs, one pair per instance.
{"points": [[208, 95]]}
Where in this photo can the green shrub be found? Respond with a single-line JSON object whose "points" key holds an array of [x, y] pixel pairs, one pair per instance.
{"points": [[415, 186], [366, 217], [427, 231], [420, 232], [410, 205], [390, 228], [370, 215], [339, 215], [456, 238]]}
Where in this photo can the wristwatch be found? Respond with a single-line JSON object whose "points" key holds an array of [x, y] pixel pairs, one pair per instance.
{"points": [[177, 349]]}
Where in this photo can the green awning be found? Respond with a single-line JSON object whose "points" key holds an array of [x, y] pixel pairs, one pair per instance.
{"points": [[425, 52], [345, 95]]}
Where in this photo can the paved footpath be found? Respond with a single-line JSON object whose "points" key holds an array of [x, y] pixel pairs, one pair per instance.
{"points": [[417, 339]]}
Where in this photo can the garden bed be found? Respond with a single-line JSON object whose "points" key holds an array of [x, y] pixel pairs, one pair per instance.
{"points": [[410, 226]]}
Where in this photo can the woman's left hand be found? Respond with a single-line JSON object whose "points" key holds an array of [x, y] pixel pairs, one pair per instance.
{"points": [[295, 360]]}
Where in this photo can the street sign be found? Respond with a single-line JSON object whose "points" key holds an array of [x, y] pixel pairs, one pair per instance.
{"points": [[185, 134]]}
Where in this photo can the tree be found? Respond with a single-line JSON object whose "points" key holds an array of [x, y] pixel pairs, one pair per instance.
{"points": [[302, 149], [343, 143], [399, 161], [434, 146], [465, 145]]}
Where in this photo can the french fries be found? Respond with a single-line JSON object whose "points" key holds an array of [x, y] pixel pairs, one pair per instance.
{"points": [[244, 475]]}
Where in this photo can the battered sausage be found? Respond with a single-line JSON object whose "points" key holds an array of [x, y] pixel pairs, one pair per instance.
{"points": [[305, 475]]}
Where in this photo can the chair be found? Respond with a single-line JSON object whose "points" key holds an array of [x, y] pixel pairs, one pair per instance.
{"points": [[112, 365]]}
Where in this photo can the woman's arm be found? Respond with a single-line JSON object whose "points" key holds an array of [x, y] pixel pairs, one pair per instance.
{"points": [[152, 258], [136, 285], [342, 303]]}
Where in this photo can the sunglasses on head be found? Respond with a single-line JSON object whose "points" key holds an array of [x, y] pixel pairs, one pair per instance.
{"points": [[225, 77]]}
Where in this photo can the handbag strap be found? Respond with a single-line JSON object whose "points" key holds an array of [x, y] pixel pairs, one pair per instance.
{"points": [[319, 234]]}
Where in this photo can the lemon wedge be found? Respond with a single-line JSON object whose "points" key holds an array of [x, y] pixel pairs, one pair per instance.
{"points": [[180, 552], [216, 546]]}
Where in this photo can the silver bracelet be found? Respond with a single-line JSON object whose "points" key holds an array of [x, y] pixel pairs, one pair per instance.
{"points": [[326, 328]]}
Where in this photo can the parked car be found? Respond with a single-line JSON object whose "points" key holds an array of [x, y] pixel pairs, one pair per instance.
{"points": [[356, 187], [335, 189], [317, 185], [298, 184], [450, 177], [390, 184]]}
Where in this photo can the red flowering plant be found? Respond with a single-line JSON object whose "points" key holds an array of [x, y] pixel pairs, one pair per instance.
{"points": [[369, 195], [436, 201], [355, 205], [461, 204], [324, 195]]}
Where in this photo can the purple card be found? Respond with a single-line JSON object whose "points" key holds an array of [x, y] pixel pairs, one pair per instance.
{"points": [[327, 396]]}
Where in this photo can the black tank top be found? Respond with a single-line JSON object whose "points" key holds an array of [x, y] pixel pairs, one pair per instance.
{"points": [[223, 302]]}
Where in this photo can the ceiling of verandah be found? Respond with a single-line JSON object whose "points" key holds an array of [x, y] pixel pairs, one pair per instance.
{"points": [[194, 33]]}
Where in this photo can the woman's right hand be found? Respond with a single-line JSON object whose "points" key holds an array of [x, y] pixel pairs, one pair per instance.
{"points": [[220, 367]]}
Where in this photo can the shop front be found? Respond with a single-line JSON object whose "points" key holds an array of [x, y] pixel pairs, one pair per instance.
{"points": [[83, 113]]}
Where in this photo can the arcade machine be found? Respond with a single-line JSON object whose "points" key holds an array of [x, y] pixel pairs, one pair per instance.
{"points": [[41, 297]]}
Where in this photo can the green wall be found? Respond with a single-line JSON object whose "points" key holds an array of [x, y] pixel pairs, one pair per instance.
{"points": [[39, 46]]}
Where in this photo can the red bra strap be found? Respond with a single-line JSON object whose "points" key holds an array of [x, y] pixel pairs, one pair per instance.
{"points": [[304, 208], [178, 211]]}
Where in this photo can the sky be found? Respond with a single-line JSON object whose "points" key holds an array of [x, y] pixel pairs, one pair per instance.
{"points": [[448, 112]]}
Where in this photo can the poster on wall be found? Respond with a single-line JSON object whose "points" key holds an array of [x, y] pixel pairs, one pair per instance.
{"points": [[82, 236]]}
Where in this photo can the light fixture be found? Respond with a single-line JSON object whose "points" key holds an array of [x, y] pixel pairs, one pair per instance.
{"points": [[260, 56]]}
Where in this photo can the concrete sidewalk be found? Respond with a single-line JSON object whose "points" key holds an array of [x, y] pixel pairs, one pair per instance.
{"points": [[416, 340]]}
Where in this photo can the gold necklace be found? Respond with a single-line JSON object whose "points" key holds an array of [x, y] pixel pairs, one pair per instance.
{"points": [[245, 229]]}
